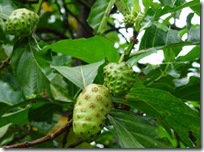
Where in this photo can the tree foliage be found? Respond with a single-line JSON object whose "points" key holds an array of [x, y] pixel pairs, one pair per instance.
{"points": [[41, 75]]}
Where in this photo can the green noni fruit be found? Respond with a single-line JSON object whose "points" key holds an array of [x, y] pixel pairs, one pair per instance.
{"points": [[91, 109], [119, 78], [21, 22]]}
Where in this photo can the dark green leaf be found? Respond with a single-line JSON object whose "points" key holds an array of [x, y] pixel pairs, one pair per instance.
{"points": [[42, 112], [99, 13], [17, 118], [27, 69], [134, 131], [188, 20], [81, 76], [154, 37], [168, 110], [190, 91], [89, 50]]}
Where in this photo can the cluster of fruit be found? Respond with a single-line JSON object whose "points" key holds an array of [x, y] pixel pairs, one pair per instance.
{"points": [[95, 101]]}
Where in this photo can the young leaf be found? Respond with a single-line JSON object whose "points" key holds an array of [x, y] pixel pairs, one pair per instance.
{"points": [[90, 50], [99, 13], [170, 111], [81, 76], [134, 131]]}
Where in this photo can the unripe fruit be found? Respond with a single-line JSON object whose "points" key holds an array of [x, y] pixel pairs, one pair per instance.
{"points": [[119, 78], [129, 20], [91, 109], [21, 22]]}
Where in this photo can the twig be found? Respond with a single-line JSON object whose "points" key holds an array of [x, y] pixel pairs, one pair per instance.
{"points": [[4, 63], [75, 144], [43, 139]]}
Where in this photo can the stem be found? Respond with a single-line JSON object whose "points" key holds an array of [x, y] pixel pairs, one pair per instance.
{"points": [[43, 139], [125, 56], [37, 9]]}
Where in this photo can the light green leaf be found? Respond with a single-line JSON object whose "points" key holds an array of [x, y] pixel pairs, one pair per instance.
{"points": [[99, 13], [6, 8], [90, 50], [81, 76], [194, 35], [122, 6]]}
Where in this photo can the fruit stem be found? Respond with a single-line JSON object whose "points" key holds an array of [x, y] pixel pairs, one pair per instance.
{"points": [[37, 9], [126, 54]]}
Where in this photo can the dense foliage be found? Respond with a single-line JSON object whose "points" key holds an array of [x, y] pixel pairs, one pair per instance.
{"points": [[43, 73]]}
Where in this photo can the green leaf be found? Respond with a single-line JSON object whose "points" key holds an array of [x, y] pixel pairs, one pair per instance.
{"points": [[134, 131], [99, 13], [17, 118], [146, 4], [27, 69], [188, 20], [192, 55], [154, 37], [168, 9], [194, 35], [168, 110], [170, 3], [190, 91], [122, 6], [9, 95], [6, 8], [42, 112], [90, 50], [81, 76]]}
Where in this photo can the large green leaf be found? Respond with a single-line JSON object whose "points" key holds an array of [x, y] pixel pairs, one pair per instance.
{"points": [[81, 76], [168, 110], [134, 131], [27, 69], [99, 13], [89, 50], [190, 91]]}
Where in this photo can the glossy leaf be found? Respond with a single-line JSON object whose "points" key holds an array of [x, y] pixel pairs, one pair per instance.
{"points": [[134, 131], [99, 13], [90, 50], [170, 111], [81, 76]]}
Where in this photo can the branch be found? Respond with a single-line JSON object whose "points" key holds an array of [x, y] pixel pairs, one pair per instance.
{"points": [[43, 139]]}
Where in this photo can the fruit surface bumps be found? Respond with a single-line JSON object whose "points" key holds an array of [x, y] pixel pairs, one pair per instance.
{"points": [[119, 78], [21, 22], [91, 109]]}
